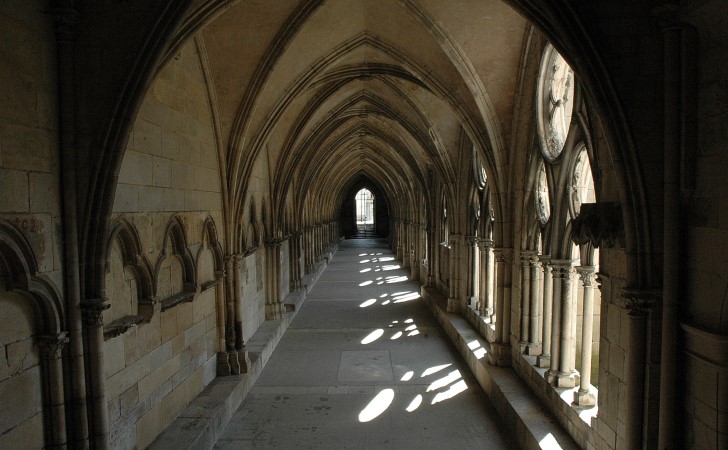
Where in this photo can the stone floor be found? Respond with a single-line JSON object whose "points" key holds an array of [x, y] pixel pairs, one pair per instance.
{"points": [[365, 365]]}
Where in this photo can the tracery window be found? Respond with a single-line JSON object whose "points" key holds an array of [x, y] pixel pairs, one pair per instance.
{"points": [[555, 103], [543, 203]]}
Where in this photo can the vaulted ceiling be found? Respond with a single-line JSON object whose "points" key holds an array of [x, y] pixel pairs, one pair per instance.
{"points": [[330, 90]]}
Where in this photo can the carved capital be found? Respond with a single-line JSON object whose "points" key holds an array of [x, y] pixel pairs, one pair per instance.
{"points": [[527, 257], [562, 268], [639, 301], [587, 275], [472, 240], [666, 13], [599, 224], [66, 20], [51, 346], [503, 255], [485, 243], [92, 311]]}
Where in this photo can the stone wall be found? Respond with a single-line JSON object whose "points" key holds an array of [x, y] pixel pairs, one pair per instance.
{"points": [[169, 185], [21, 418], [30, 201], [29, 158]]}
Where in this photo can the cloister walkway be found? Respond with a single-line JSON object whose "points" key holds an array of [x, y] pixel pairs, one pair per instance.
{"points": [[364, 364]]}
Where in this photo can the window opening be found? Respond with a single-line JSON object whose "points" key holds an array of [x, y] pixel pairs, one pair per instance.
{"points": [[364, 210]]}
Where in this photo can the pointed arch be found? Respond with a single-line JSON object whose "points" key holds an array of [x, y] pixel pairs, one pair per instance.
{"points": [[174, 245], [19, 272]]}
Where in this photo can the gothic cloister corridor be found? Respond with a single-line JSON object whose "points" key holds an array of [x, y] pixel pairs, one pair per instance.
{"points": [[365, 365], [210, 206]]}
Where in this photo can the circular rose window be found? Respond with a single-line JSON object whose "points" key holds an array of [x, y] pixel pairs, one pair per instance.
{"points": [[555, 103]]}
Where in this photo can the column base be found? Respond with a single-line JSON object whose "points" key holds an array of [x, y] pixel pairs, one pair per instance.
{"points": [[453, 305], [473, 302], [585, 398], [500, 354], [543, 361], [239, 362], [223, 364], [274, 311], [567, 380], [550, 376], [533, 349]]}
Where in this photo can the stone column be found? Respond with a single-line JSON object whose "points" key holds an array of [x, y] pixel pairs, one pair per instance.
{"points": [[399, 238], [274, 307], [567, 376], [505, 274], [406, 244], [51, 351], [93, 327], [473, 266], [431, 249], [638, 302], [295, 261], [227, 357], [317, 240], [534, 319], [238, 357], [526, 256], [415, 254], [238, 293], [558, 271], [544, 359], [488, 273], [308, 252], [584, 397], [223, 367], [454, 274], [500, 354]]}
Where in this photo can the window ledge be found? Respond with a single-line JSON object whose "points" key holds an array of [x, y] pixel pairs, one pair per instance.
{"points": [[121, 326], [182, 297], [209, 284]]}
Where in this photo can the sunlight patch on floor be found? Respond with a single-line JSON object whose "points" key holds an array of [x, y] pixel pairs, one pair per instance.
{"points": [[369, 302], [415, 403], [454, 390], [373, 336], [434, 369], [377, 406], [444, 381]]}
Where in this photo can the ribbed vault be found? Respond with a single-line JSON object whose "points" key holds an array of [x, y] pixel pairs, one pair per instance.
{"points": [[388, 91]]}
